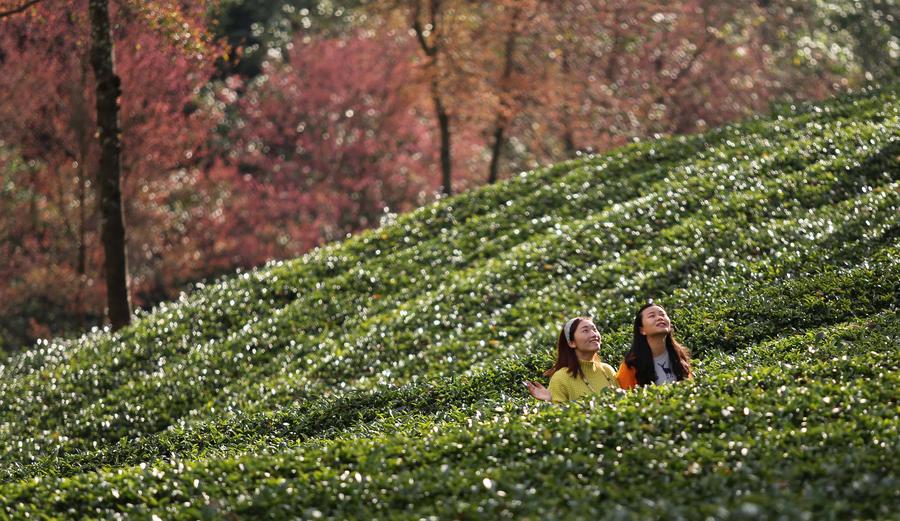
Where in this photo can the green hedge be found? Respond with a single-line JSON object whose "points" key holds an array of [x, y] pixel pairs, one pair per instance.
{"points": [[397, 355]]}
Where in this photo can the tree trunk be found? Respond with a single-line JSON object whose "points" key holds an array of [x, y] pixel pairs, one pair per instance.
{"points": [[568, 113], [495, 152], [112, 217], [34, 218], [81, 125], [430, 41], [504, 109], [82, 246], [444, 124]]}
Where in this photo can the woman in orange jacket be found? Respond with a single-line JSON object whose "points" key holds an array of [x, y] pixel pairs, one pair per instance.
{"points": [[655, 356]]}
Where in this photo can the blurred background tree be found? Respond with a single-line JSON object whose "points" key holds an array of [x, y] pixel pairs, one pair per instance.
{"points": [[258, 130]]}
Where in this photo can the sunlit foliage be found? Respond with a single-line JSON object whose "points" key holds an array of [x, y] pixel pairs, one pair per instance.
{"points": [[382, 375]]}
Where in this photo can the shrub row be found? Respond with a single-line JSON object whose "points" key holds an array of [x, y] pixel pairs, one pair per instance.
{"points": [[327, 418], [257, 339], [383, 373], [756, 440]]}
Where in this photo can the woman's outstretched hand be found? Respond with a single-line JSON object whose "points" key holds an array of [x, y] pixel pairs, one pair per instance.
{"points": [[538, 391]]}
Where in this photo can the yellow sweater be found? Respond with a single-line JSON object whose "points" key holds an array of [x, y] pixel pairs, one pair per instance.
{"points": [[565, 387]]}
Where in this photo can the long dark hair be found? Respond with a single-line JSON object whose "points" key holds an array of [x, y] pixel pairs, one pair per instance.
{"points": [[565, 355], [641, 358]]}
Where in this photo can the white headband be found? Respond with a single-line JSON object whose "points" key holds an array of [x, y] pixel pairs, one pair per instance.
{"points": [[567, 329]]}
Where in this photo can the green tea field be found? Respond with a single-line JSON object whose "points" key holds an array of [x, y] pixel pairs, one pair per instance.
{"points": [[381, 377]]}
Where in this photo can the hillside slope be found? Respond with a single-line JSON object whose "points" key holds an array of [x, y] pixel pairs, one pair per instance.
{"points": [[382, 376]]}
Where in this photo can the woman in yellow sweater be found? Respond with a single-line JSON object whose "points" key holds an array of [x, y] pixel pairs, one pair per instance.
{"points": [[578, 370]]}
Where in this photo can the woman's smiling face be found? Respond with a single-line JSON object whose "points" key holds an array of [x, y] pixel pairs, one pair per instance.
{"points": [[586, 337], [655, 321]]}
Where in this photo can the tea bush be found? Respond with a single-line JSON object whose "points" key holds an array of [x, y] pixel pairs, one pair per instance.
{"points": [[381, 376]]}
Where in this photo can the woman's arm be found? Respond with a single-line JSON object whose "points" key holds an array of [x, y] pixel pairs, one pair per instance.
{"points": [[611, 376], [559, 392]]}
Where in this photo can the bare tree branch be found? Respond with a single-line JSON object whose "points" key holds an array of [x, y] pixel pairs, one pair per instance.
{"points": [[26, 5], [430, 49]]}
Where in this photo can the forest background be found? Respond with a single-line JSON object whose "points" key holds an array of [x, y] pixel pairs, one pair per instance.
{"points": [[257, 130]]}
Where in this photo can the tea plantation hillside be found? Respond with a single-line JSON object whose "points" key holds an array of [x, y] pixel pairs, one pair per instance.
{"points": [[381, 377]]}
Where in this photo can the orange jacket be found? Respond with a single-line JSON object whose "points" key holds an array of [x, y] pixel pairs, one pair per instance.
{"points": [[627, 376]]}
